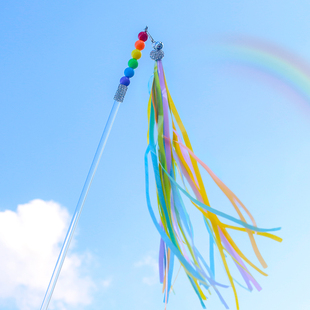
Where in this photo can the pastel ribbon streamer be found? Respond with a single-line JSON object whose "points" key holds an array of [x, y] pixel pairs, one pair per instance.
{"points": [[172, 156]]}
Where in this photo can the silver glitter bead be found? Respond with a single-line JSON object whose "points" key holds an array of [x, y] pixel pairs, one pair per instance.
{"points": [[120, 93], [157, 54], [158, 45]]}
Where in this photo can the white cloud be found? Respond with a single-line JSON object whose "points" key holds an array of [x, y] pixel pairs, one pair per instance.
{"points": [[30, 241], [150, 262]]}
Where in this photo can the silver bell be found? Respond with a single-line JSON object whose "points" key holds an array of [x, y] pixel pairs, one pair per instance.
{"points": [[158, 45]]}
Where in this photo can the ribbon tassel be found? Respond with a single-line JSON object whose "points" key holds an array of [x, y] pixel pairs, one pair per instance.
{"points": [[173, 158]]}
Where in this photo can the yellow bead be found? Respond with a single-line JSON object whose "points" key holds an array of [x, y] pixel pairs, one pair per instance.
{"points": [[136, 54]]}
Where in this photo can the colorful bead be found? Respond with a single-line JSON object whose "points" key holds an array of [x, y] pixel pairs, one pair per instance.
{"points": [[139, 45], [129, 72], [133, 63], [124, 81], [136, 54], [143, 36]]}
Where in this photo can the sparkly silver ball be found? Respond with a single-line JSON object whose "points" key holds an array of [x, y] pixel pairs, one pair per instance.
{"points": [[157, 54], [158, 45]]}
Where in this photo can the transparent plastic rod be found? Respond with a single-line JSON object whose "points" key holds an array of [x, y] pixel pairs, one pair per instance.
{"points": [[79, 206]]}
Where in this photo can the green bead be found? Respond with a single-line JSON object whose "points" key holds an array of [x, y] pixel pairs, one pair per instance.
{"points": [[133, 63]]}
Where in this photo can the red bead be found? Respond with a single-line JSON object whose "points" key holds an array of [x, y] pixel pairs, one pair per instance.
{"points": [[143, 36]]}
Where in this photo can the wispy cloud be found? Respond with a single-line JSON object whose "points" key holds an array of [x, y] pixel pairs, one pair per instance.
{"points": [[106, 283], [151, 263], [30, 241]]}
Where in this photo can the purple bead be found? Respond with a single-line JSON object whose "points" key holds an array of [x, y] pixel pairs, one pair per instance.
{"points": [[124, 81]]}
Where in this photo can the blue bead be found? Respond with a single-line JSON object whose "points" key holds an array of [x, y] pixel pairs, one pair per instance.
{"points": [[125, 81], [129, 72]]}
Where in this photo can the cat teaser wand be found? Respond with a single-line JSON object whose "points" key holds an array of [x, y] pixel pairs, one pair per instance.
{"points": [[118, 99], [173, 159]]}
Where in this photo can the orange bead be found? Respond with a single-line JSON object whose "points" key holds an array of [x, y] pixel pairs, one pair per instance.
{"points": [[139, 45]]}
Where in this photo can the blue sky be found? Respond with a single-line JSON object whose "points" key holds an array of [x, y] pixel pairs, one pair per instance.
{"points": [[60, 63]]}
